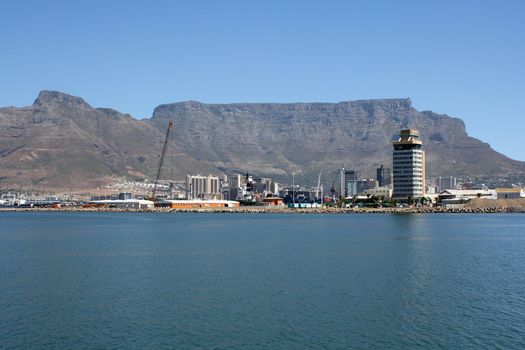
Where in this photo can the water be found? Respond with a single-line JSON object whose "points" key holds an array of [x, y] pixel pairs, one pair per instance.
{"points": [[241, 281]]}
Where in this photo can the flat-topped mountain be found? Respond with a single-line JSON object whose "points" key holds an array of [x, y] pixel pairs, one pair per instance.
{"points": [[272, 138], [62, 142]]}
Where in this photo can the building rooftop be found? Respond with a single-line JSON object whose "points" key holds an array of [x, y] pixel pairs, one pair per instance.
{"points": [[408, 136]]}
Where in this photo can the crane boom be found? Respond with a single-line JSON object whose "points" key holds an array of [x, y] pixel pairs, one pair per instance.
{"points": [[163, 153], [319, 185]]}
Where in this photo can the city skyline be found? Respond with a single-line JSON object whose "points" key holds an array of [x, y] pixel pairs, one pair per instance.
{"points": [[461, 59]]}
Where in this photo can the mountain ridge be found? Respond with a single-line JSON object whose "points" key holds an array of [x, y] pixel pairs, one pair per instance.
{"points": [[61, 141]]}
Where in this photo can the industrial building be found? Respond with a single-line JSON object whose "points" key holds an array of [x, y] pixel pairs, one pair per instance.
{"points": [[408, 166]]}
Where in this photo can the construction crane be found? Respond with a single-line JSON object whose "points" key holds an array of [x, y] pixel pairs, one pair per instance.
{"points": [[319, 192], [162, 155], [332, 189]]}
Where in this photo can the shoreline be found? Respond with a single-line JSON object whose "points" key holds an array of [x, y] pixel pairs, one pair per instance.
{"points": [[260, 210]]}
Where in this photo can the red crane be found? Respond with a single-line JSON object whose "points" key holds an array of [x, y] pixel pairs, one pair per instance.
{"points": [[164, 148]]}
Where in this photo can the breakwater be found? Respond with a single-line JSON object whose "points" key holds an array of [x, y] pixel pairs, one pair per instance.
{"points": [[263, 210]]}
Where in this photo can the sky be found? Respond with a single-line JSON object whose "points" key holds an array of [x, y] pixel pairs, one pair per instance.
{"points": [[463, 58]]}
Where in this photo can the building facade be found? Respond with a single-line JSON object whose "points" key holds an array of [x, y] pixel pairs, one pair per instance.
{"points": [[236, 180], [380, 192], [356, 187], [446, 183], [384, 176], [349, 181], [409, 166], [204, 187]]}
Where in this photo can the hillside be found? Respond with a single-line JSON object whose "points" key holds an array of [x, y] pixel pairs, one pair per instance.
{"points": [[61, 142], [273, 139]]}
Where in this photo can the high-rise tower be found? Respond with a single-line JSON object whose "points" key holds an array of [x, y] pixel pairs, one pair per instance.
{"points": [[384, 176], [409, 165]]}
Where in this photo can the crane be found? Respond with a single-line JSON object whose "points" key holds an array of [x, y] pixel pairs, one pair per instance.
{"points": [[163, 154], [319, 193]]}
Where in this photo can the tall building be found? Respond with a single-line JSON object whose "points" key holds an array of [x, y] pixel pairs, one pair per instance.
{"points": [[236, 181], [206, 187], [384, 176], [446, 183], [409, 165], [349, 180]]}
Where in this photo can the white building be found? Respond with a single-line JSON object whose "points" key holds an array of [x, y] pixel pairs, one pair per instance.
{"points": [[125, 203], [206, 187], [380, 192], [408, 165], [463, 196], [237, 180]]}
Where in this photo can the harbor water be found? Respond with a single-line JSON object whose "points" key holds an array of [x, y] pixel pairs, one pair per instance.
{"points": [[261, 281]]}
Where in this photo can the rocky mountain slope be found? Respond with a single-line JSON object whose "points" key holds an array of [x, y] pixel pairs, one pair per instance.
{"points": [[273, 139], [61, 142]]}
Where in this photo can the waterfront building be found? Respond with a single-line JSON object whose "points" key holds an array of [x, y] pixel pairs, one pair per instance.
{"points": [[205, 187], [196, 204], [463, 196], [384, 176], [509, 193], [408, 165], [125, 195], [273, 202], [379, 192], [124, 203]]}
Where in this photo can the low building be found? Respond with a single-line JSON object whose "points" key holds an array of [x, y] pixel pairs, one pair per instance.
{"points": [[380, 192], [273, 202], [463, 196], [304, 205], [509, 193], [124, 203]]}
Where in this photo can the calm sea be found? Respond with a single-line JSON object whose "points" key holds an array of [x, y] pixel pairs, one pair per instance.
{"points": [[242, 281]]}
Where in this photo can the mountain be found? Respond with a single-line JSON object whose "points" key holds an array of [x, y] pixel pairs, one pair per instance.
{"points": [[273, 139], [61, 142]]}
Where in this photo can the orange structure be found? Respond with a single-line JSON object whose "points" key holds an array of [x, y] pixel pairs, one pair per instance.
{"points": [[195, 204]]}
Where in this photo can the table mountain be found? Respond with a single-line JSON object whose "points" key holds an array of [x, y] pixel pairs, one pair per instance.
{"points": [[273, 139], [61, 142]]}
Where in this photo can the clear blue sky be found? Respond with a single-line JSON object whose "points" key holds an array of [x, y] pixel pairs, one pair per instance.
{"points": [[463, 58]]}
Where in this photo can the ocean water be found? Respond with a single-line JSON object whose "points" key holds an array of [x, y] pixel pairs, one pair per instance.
{"points": [[261, 281]]}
